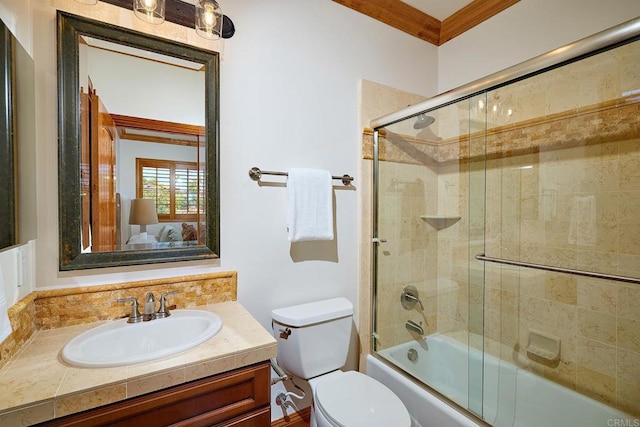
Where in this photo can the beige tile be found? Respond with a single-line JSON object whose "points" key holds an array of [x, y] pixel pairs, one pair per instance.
{"points": [[208, 368], [628, 238], [629, 334], [563, 374], [597, 356], [76, 379], [22, 388], [79, 402], [629, 301], [597, 295], [597, 326], [162, 365], [628, 397], [561, 288], [151, 383], [629, 206], [628, 365], [596, 385], [630, 174], [29, 415]]}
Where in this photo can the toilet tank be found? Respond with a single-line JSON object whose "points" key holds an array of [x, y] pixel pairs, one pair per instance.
{"points": [[313, 338]]}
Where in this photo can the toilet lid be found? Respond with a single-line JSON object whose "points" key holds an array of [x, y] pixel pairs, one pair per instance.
{"points": [[354, 399]]}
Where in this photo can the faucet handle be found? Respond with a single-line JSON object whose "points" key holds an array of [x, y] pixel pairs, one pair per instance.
{"points": [[163, 311], [409, 298], [135, 316]]}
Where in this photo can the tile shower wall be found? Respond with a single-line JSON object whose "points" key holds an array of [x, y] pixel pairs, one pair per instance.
{"points": [[409, 257], [404, 196], [574, 208], [564, 190]]}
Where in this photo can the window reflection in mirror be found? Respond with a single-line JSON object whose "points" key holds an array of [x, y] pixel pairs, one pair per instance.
{"points": [[139, 126]]}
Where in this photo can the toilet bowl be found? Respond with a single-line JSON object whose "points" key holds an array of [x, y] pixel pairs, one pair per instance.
{"points": [[313, 343], [352, 399]]}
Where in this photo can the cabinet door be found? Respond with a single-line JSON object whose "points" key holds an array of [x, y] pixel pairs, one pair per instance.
{"points": [[239, 397]]}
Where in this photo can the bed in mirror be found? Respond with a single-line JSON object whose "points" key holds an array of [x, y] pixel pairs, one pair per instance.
{"points": [[138, 120]]}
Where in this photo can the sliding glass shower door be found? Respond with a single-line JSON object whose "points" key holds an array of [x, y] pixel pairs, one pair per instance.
{"points": [[430, 220]]}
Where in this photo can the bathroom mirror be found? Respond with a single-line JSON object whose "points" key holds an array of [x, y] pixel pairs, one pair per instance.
{"points": [[105, 95], [17, 142], [8, 229]]}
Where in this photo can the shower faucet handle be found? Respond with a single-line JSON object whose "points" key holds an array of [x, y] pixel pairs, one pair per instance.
{"points": [[409, 298]]}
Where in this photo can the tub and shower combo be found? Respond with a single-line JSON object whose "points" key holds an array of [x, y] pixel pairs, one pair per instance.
{"points": [[506, 230]]}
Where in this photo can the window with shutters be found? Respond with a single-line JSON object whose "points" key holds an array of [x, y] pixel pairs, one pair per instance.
{"points": [[177, 188]]}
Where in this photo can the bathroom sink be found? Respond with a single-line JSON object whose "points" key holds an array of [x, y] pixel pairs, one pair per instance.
{"points": [[119, 343]]}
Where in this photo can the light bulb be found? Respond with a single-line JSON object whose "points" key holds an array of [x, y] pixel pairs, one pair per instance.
{"points": [[208, 19], [150, 5], [151, 11], [209, 16]]}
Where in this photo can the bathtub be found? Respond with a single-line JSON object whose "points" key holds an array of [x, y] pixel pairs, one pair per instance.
{"points": [[510, 396]]}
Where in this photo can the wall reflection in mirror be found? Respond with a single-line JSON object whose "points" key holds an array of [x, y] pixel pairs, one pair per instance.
{"points": [[17, 142], [142, 142], [138, 181]]}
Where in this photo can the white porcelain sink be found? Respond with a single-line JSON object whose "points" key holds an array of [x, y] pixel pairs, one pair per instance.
{"points": [[119, 343]]}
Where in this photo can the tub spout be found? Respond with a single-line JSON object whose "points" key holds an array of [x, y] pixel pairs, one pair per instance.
{"points": [[414, 327]]}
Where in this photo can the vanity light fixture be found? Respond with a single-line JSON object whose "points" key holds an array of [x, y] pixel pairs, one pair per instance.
{"points": [[151, 11], [205, 15], [208, 19]]}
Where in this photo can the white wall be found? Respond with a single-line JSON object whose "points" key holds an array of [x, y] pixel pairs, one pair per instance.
{"points": [[289, 98], [137, 87], [525, 30]]}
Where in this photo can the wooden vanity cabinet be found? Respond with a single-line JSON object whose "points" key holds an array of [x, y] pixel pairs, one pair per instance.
{"points": [[239, 398]]}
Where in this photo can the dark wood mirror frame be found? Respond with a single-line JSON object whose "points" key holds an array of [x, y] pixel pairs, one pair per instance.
{"points": [[70, 27], [8, 227]]}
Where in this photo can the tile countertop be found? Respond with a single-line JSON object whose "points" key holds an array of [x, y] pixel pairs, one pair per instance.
{"points": [[36, 385]]}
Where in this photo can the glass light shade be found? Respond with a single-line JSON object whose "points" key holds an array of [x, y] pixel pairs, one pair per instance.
{"points": [[208, 19], [151, 11]]}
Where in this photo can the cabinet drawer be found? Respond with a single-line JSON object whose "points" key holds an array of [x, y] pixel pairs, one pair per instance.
{"points": [[204, 402]]}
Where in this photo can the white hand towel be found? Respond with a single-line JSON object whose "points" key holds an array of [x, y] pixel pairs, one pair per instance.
{"points": [[5, 325], [309, 205]]}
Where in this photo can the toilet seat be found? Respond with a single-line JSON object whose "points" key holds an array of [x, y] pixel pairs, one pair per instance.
{"points": [[353, 399]]}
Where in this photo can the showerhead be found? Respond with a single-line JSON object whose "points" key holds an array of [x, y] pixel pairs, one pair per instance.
{"points": [[423, 121]]}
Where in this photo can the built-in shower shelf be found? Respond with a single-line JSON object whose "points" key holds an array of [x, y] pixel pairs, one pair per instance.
{"points": [[440, 222]]}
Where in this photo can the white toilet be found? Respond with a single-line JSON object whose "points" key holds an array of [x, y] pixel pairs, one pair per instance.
{"points": [[313, 342]]}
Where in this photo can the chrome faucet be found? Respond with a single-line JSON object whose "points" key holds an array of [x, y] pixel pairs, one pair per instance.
{"points": [[163, 311], [135, 316], [414, 327], [409, 298]]}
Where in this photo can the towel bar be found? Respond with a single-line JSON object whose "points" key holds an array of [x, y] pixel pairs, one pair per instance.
{"points": [[255, 174]]}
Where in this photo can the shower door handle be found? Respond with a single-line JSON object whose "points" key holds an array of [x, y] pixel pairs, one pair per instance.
{"points": [[378, 240]]}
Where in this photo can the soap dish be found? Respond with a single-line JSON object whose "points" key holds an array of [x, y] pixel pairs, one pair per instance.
{"points": [[543, 346]]}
